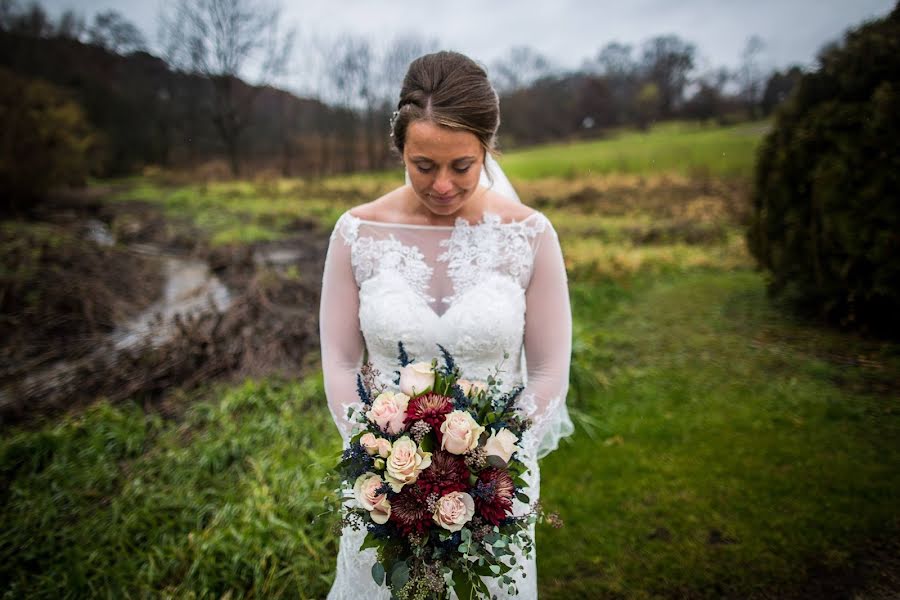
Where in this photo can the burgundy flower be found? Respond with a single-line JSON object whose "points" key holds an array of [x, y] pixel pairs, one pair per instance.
{"points": [[431, 408], [493, 495], [409, 510], [447, 473]]}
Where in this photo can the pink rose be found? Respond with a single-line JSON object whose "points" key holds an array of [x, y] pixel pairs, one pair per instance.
{"points": [[384, 447], [388, 411], [366, 492], [454, 510], [470, 388], [501, 444], [416, 379], [459, 432], [369, 443], [375, 445], [405, 463]]}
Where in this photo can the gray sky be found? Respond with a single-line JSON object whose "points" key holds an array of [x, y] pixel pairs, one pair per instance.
{"points": [[567, 31]]}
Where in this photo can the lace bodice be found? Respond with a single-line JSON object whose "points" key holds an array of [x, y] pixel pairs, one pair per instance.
{"points": [[485, 291], [493, 293]]}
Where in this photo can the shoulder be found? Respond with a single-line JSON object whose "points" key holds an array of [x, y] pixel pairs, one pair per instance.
{"points": [[384, 209], [508, 210]]}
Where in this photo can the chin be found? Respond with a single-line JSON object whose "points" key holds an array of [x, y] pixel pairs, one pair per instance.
{"points": [[445, 209]]}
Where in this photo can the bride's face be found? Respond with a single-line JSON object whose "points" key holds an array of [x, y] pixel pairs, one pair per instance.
{"points": [[444, 165]]}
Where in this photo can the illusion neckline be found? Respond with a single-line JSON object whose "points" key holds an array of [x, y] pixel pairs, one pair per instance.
{"points": [[486, 218]]}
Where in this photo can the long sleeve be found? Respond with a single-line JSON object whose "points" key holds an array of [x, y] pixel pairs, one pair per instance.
{"points": [[548, 347], [341, 341]]}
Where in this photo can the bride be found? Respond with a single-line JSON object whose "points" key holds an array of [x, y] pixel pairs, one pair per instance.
{"points": [[450, 258]]}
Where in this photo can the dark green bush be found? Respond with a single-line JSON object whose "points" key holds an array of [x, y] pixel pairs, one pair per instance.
{"points": [[46, 140], [826, 214]]}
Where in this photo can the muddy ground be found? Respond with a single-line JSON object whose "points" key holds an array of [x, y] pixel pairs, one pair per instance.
{"points": [[80, 271]]}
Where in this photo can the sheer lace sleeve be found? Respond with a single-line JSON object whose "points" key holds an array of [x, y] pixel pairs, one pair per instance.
{"points": [[339, 333], [548, 347]]}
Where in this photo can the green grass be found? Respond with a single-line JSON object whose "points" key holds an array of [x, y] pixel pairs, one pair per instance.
{"points": [[115, 503], [242, 212], [707, 415], [721, 448], [700, 412], [687, 149]]}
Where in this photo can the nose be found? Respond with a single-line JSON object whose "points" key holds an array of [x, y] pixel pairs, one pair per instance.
{"points": [[442, 184]]}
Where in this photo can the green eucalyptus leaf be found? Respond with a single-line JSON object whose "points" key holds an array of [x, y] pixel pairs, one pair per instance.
{"points": [[400, 575], [378, 573], [496, 462]]}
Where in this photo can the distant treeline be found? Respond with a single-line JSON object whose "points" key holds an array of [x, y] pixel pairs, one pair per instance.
{"points": [[145, 111]]}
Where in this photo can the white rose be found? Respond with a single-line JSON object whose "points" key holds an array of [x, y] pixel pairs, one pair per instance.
{"points": [[460, 432], [454, 510], [388, 412], [405, 463], [366, 492], [501, 444], [416, 379]]}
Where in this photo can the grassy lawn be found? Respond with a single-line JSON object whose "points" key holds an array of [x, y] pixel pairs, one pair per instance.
{"points": [[722, 449], [687, 149]]}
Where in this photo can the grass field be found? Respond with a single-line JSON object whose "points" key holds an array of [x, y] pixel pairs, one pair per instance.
{"points": [[722, 448]]}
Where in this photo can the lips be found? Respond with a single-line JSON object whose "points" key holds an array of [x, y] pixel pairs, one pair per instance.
{"points": [[444, 199]]}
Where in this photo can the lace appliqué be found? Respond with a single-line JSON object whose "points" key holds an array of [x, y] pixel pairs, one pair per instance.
{"points": [[369, 257], [474, 251]]}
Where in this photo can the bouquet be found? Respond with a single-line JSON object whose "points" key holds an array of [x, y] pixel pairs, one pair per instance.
{"points": [[433, 467]]}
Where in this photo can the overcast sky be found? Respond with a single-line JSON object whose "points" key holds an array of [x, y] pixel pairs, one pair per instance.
{"points": [[567, 31]]}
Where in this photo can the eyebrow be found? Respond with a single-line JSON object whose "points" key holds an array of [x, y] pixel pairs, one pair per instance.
{"points": [[455, 160]]}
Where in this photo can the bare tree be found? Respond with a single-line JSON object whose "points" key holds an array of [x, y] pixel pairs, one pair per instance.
{"points": [[667, 61], [226, 41], [71, 26], [401, 51], [750, 75], [112, 31], [521, 67]]}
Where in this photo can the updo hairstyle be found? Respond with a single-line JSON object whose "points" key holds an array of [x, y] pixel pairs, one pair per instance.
{"points": [[449, 89]]}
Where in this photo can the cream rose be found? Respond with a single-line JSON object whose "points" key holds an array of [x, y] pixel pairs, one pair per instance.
{"points": [[459, 432], [405, 463], [388, 411], [501, 444], [369, 443], [416, 379], [366, 491], [454, 510], [383, 447], [470, 388]]}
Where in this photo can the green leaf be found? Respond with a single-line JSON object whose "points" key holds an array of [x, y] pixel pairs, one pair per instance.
{"points": [[495, 569], [378, 573], [522, 498], [400, 575], [428, 443], [369, 542], [463, 586], [496, 462]]}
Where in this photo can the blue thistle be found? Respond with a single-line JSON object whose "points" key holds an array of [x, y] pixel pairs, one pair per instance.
{"points": [[402, 356], [505, 402], [380, 531], [364, 394], [460, 400], [449, 363], [355, 461]]}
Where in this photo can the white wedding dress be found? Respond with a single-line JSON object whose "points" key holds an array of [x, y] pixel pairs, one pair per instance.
{"points": [[482, 290]]}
